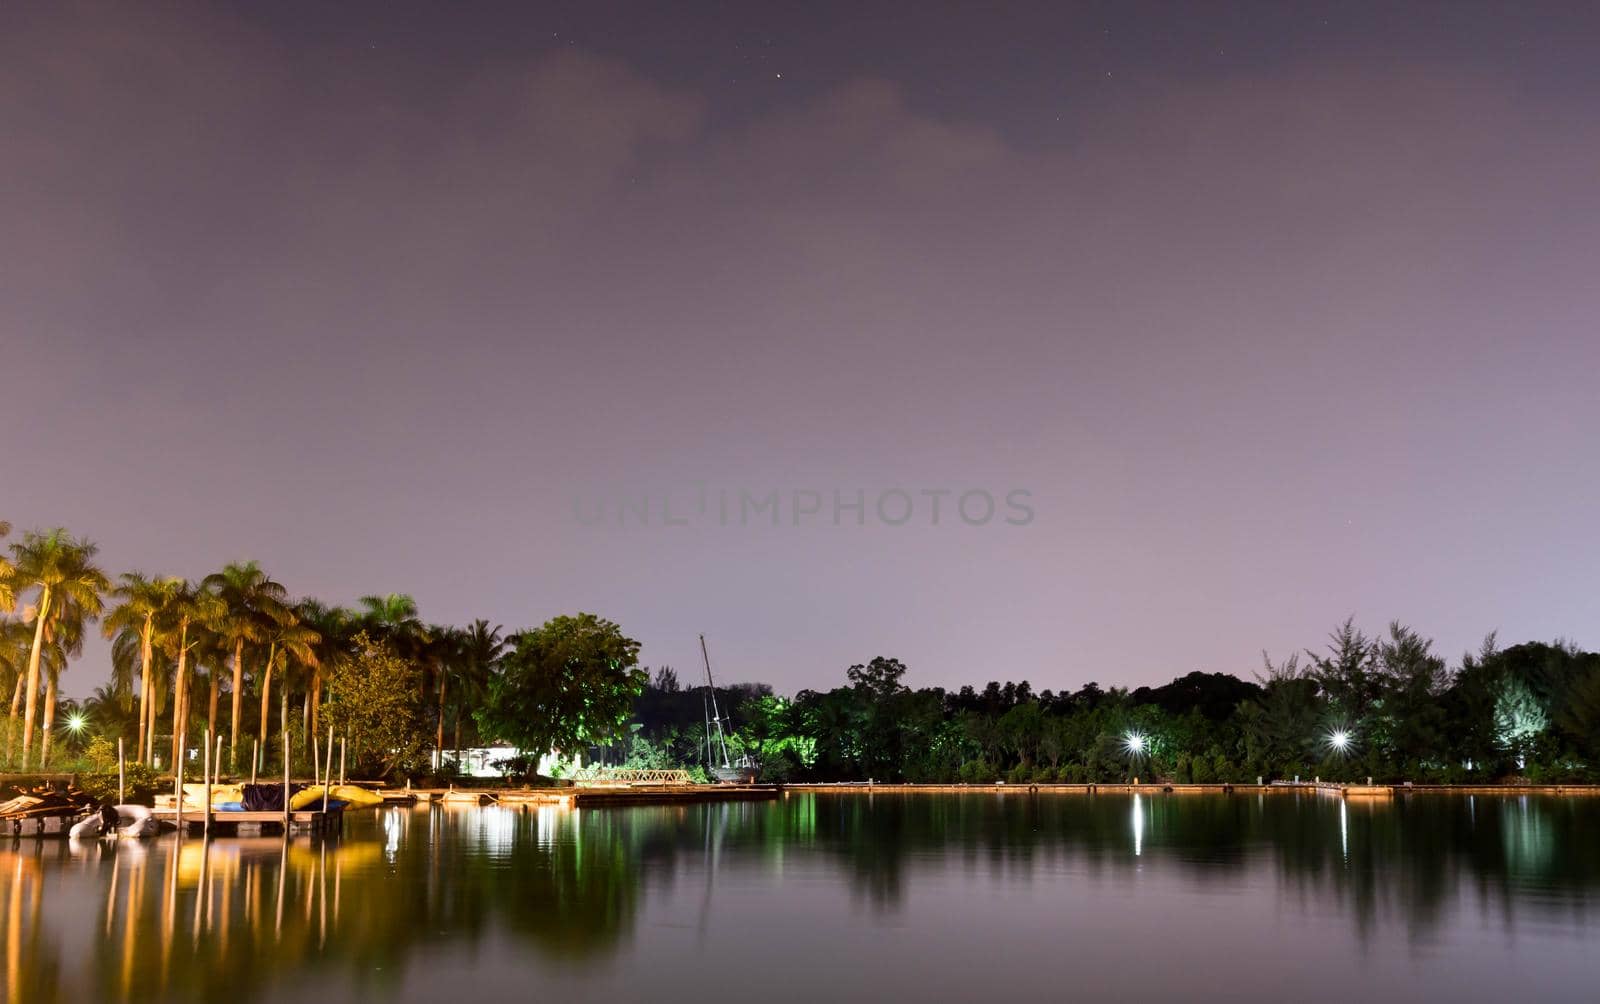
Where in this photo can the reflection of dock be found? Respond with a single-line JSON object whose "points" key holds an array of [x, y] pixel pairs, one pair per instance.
{"points": [[1274, 787]]}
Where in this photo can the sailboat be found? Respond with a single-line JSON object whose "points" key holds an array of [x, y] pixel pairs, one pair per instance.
{"points": [[726, 770]]}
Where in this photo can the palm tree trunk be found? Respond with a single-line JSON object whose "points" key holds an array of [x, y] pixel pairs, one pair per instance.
{"points": [[266, 698], [211, 712], [48, 718], [16, 709], [238, 697], [180, 694], [31, 693], [144, 684], [438, 736], [316, 698], [458, 734]]}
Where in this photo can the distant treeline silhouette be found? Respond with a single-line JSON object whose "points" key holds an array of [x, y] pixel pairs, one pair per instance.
{"points": [[1387, 707]]}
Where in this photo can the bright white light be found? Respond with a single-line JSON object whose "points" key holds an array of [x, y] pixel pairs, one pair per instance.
{"points": [[1339, 739], [76, 722], [1134, 742]]}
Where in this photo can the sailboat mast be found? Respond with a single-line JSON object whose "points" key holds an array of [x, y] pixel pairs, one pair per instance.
{"points": [[716, 714]]}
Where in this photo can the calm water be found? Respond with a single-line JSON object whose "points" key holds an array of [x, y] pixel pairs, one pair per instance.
{"points": [[835, 896]]}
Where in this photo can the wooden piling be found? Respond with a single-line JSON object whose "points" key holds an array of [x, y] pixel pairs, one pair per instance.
{"points": [[327, 777], [285, 784], [177, 781]]}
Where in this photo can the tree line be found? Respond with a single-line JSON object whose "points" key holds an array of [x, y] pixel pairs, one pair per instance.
{"points": [[1386, 706], [232, 655]]}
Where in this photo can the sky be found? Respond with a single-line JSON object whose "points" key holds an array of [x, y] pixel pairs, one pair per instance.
{"points": [[1205, 326]]}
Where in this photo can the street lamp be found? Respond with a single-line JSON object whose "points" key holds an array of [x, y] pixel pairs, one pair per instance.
{"points": [[1135, 743], [76, 722], [1339, 741]]}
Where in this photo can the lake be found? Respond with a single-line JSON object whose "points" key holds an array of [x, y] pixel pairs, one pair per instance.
{"points": [[835, 896]]}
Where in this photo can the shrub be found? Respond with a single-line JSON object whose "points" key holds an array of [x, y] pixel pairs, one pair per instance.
{"points": [[978, 772], [140, 784]]}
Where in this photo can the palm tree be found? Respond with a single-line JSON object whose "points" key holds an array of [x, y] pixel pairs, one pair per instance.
{"points": [[64, 641], [132, 624], [336, 629], [109, 712], [289, 642], [481, 648], [8, 595], [255, 603], [443, 655], [393, 619], [15, 638], [70, 588], [189, 618]]}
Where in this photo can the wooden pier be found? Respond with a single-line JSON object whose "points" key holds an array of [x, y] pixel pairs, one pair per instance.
{"points": [[251, 824], [580, 796]]}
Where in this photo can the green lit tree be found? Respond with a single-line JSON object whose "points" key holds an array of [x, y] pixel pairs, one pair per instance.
{"points": [[563, 686]]}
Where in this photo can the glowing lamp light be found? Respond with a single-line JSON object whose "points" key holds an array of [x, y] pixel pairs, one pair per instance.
{"points": [[76, 722], [1135, 743], [1339, 739]]}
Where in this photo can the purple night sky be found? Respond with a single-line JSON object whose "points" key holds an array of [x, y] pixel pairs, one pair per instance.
{"points": [[1279, 312]]}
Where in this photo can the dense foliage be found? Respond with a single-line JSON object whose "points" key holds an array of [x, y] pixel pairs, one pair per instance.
{"points": [[373, 705], [1385, 707], [563, 686]]}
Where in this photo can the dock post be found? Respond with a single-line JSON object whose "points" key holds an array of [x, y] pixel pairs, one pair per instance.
{"points": [[327, 776], [216, 766], [285, 786], [177, 782], [205, 777]]}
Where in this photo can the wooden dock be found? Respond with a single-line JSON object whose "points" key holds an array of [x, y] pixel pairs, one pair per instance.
{"points": [[252, 824], [580, 796]]}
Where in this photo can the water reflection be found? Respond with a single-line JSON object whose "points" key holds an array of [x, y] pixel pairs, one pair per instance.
{"points": [[571, 892]]}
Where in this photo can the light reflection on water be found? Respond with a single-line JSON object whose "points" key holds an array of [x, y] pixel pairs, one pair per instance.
{"points": [[830, 896]]}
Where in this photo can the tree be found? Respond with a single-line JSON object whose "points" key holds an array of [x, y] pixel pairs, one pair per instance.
{"points": [[69, 589], [1346, 674], [563, 686], [143, 601], [373, 703], [481, 649], [289, 643], [253, 604], [8, 593], [189, 616], [336, 629], [1411, 680]]}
